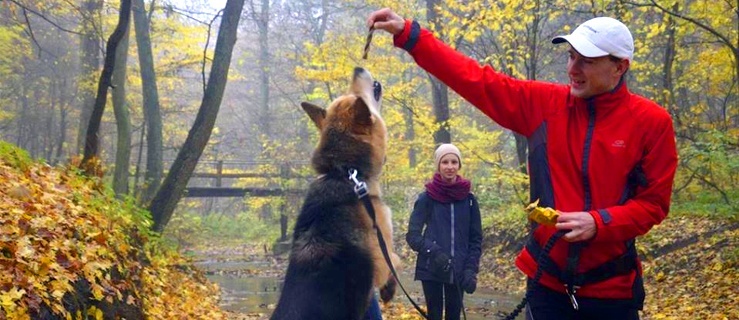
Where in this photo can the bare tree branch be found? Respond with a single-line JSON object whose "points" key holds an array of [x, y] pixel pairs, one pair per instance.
{"points": [[151, 12], [25, 8], [30, 31], [205, 50], [701, 25]]}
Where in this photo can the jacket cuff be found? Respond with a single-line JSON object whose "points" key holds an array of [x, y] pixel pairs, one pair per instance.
{"points": [[409, 37], [602, 218]]}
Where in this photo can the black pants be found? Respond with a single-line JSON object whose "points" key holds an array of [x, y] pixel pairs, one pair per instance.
{"points": [[547, 304], [444, 295]]}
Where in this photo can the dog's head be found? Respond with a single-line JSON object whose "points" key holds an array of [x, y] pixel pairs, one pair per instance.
{"points": [[353, 134]]}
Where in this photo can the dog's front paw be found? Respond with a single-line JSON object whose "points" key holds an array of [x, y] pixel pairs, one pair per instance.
{"points": [[387, 292]]}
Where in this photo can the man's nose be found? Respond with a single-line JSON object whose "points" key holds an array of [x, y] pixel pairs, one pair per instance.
{"points": [[574, 65]]}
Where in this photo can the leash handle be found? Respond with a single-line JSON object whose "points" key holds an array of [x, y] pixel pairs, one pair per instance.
{"points": [[537, 276]]}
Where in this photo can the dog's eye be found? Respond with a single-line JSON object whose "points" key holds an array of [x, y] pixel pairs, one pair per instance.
{"points": [[377, 87]]}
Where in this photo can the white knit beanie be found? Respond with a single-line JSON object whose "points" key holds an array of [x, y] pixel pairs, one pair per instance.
{"points": [[446, 149]]}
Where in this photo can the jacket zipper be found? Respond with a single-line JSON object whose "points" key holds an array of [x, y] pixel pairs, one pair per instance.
{"points": [[586, 156], [573, 251], [451, 274]]}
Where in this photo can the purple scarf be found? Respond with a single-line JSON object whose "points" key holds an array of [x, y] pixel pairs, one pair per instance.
{"points": [[445, 192]]}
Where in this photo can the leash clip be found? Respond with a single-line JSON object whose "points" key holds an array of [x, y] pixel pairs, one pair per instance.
{"points": [[571, 290], [360, 187]]}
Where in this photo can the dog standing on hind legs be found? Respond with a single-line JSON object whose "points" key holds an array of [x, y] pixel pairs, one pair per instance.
{"points": [[335, 260]]}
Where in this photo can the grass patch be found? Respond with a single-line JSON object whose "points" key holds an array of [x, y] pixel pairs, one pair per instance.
{"points": [[14, 156]]}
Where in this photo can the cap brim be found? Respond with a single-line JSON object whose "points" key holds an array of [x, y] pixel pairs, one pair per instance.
{"points": [[581, 45]]}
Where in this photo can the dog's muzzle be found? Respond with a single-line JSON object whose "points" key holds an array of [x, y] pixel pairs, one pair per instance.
{"points": [[377, 90]]}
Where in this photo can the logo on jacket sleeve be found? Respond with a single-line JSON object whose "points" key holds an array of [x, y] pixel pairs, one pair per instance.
{"points": [[619, 144]]}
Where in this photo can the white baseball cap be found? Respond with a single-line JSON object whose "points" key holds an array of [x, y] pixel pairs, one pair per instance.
{"points": [[600, 37]]}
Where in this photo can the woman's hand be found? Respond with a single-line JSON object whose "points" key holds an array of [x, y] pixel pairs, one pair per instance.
{"points": [[442, 262], [469, 281]]}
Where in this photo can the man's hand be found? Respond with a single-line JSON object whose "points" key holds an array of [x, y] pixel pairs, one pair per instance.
{"points": [[581, 225], [386, 19]]}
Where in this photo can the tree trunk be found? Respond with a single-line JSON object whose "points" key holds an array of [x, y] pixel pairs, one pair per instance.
{"points": [[439, 91], [522, 147], [154, 163], [165, 200], [264, 66], [91, 138], [667, 89], [90, 60], [262, 21], [22, 121], [409, 135], [49, 142], [62, 124], [122, 119], [137, 172], [532, 38]]}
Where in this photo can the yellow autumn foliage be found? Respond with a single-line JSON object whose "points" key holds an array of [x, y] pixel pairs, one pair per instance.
{"points": [[59, 231]]}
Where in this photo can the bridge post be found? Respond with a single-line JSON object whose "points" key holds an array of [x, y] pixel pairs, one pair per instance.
{"points": [[284, 174], [219, 169]]}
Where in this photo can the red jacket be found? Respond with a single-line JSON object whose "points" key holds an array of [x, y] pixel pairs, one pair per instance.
{"points": [[581, 152]]}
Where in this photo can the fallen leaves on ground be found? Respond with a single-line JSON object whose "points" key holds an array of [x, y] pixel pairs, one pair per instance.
{"points": [[58, 229], [692, 281]]}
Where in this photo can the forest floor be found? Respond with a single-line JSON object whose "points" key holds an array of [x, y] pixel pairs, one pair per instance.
{"points": [[689, 262], [690, 269]]}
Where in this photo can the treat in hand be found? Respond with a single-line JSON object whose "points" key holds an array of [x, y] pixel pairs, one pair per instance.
{"points": [[542, 215]]}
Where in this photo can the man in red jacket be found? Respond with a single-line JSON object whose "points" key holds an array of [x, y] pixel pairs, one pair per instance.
{"points": [[603, 157]]}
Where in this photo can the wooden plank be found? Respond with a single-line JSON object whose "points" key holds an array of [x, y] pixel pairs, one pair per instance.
{"points": [[235, 175], [243, 175], [197, 192]]}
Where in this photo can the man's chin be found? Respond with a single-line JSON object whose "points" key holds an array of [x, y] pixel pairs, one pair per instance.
{"points": [[579, 93]]}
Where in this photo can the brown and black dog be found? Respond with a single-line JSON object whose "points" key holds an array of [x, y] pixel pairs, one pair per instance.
{"points": [[335, 259]]}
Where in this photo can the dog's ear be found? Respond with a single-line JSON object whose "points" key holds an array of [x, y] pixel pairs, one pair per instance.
{"points": [[362, 116], [316, 113]]}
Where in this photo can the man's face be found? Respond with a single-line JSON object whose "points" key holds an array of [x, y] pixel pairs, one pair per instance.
{"points": [[593, 76]]}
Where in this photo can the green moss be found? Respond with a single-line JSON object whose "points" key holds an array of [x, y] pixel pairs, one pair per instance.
{"points": [[14, 156]]}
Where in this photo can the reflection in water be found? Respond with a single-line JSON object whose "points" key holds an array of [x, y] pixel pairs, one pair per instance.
{"points": [[245, 292], [245, 295]]}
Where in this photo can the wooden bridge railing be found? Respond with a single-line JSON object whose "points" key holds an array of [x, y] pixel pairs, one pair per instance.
{"points": [[219, 190], [285, 174]]}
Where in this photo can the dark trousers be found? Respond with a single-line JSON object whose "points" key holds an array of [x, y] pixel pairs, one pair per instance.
{"points": [[442, 295], [547, 304]]}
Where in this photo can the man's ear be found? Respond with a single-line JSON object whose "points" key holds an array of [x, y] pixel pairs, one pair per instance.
{"points": [[623, 66], [316, 113]]}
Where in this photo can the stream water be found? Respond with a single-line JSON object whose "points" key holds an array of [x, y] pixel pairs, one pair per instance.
{"points": [[250, 286]]}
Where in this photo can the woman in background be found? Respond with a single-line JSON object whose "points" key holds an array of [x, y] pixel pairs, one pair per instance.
{"points": [[445, 230]]}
